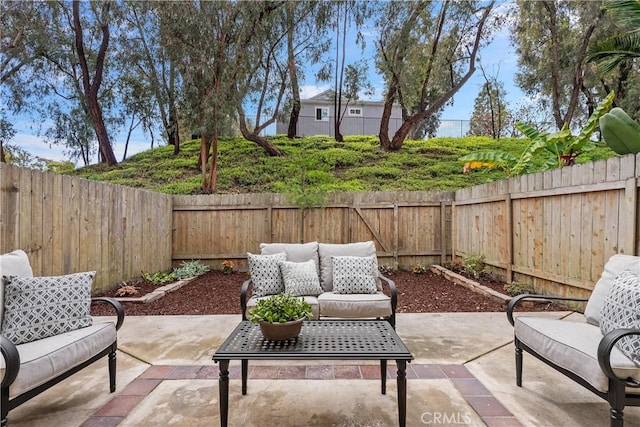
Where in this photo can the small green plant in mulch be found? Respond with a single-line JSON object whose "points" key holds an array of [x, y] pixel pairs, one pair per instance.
{"points": [[228, 266], [419, 269], [518, 288], [387, 269], [159, 278], [190, 269], [474, 264]]}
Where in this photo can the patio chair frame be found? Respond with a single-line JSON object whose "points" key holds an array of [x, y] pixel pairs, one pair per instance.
{"points": [[617, 396], [12, 358]]}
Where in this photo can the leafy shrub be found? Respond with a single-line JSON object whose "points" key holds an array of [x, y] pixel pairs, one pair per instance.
{"points": [[126, 290], [190, 269], [159, 278], [419, 269], [228, 266], [474, 264], [518, 288], [386, 269], [280, 308]]}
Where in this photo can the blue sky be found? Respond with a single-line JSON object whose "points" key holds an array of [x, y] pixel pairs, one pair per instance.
{"points": [[497, 58]]}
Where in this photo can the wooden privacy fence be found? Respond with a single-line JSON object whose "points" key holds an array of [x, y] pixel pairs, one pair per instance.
{"points": [[407, 227], [68, 224], [554, 229]]}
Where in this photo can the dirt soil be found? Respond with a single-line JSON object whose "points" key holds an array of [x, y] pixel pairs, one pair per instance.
{"points": [[217, 293]]}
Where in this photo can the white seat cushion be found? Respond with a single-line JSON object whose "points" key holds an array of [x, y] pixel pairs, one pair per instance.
{"points": [[574, 347], [44, 359], [313, 301], [354, 305]]}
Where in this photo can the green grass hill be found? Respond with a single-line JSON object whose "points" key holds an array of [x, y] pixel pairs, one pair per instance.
{"points": [[358, 164]]}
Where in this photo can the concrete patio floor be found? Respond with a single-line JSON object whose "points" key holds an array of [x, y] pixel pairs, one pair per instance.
{"points": [[463, 374]]}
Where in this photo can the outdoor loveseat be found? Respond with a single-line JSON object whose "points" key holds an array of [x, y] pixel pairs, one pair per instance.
{"points": [[603, 353], [338, 280], [47, 330]]}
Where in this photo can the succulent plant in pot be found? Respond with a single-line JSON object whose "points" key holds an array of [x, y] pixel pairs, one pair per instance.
{"points": [[280, 316]]}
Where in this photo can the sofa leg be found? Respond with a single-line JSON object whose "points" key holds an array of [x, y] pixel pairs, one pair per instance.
{"points": [[518, 363], [112, 370]]}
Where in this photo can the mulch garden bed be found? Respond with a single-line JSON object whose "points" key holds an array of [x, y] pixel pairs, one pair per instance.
{"points": [[218, 293]]}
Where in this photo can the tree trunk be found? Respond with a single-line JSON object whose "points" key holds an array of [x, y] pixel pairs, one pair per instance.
{"points": [[213, 172], [2, 158], [268, 146], [292, 130], [91, 88], [204, 159], [385, 142], [173, 134]]}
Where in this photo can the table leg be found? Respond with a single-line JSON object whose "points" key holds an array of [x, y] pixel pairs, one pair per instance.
{"points": [[223, 387], [245, 371], [402, 392], [383, 375]]}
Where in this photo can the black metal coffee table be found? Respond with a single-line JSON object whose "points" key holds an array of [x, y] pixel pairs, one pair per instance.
{"points": [[319, 340]]}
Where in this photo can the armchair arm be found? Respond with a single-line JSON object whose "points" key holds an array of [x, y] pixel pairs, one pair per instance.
{"points": [[243, 297], [11, 361], [604, 355], [392, 288], [517, 299], [116, 305]]}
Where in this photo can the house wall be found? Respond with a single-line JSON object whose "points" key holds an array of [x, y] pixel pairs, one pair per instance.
{"points": [[367, 124]]}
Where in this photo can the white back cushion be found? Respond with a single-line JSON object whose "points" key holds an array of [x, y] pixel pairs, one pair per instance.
{"points": [[616, 265], [327, 250], [14, 263], [296, 252]]}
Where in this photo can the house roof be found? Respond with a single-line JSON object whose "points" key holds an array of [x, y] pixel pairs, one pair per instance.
{"points": [[328, 96]]}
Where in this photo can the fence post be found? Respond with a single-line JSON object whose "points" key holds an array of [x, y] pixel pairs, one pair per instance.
{"points": [[508, 226]]}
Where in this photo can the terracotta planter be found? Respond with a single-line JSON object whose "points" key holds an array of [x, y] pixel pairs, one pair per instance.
{"points": [[281, 331]]}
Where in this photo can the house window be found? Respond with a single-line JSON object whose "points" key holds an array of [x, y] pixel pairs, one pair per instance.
{"points": [[322, 114], [355, 112]]}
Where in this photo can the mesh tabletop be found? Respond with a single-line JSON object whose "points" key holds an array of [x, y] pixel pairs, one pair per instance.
{"points": [[319, 339]]}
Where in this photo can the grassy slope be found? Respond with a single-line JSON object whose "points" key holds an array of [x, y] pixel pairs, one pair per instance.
{"points": [[359, 164]]}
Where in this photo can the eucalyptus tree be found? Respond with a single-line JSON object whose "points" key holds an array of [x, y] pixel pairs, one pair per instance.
{"points": [[74, 130], [307, 27], [150, 82], [490, 116], [427, 52], [264, 83], [213, 44], [348, 15], [72, 74], [551, 38], [21, 23]]}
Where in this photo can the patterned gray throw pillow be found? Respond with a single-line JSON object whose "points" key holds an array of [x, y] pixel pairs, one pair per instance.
{"points": [[621, 310], [41, 307], [265, 273], [354, 275], [300, 278]]}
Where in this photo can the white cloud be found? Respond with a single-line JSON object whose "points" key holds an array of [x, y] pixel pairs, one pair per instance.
{"points": [[308, 91]]}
